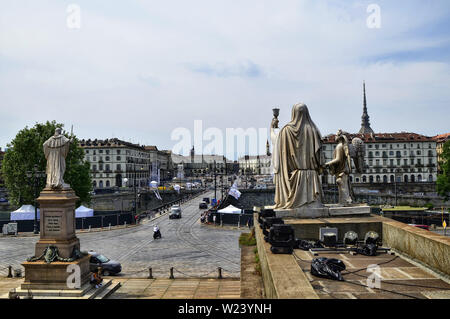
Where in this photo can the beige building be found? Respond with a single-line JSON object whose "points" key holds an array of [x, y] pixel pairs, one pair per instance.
{"points": [[116, 163], [255, 165], [440, 141]]}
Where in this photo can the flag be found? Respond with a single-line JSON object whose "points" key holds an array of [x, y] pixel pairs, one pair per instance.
{"points": [[234, 191], [158, 196]]}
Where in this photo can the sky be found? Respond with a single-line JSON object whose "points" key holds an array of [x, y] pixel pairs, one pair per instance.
{"points": [[137, 70]]}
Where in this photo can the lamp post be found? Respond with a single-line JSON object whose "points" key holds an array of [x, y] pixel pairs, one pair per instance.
{"points": [[215, 183], [36, 176]]}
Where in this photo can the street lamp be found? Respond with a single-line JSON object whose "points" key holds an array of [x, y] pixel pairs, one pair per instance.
{"points": [[35, 175]]}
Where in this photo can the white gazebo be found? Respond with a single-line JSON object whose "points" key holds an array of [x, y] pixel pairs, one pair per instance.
{"points": [[26, 212], [230, 210], [83, 212]]}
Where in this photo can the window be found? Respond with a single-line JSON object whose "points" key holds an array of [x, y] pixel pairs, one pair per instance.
{"points": [[377, 153], [430, 178], [87, 151], [107, 158], [100, 167], [118, 167], [94, 167], [118, 158], [118, 151], [418, 153], [391, 153], [107, 152], [364, 179], [107, 183], [100, 151], [107, 167]]}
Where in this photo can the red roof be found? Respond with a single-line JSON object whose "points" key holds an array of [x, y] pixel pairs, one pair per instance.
{"points": [[442, 138], [383, 137]]}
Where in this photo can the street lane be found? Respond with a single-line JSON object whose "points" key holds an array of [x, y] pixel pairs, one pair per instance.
{"points": [[192, 248]]}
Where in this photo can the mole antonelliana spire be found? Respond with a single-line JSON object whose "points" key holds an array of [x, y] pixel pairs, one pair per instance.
{"points": [[365, 124]]}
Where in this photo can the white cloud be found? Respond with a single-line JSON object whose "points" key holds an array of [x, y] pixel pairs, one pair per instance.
{"points": [[140, 69]]}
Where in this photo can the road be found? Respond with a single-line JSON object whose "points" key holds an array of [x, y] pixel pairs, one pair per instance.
{"points": [[193, 249]]}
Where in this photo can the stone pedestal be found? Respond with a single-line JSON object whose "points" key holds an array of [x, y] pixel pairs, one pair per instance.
{"points": [[58, 222], [40, 275], [57, 209]]}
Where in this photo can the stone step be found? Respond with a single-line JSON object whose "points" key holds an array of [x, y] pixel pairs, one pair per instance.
{"points": [[87, 291], [108, 291]]}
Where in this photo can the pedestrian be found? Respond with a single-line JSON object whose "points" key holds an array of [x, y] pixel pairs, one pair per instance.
{"points": [[96, 278]]}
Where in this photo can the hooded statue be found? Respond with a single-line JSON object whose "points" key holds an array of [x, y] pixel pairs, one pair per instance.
{"points": [[297, 162], [56, 149]]}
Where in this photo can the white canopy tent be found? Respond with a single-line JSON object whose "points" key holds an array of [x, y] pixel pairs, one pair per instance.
{"points": [[26, 212], [83, 212], [230, 210]]}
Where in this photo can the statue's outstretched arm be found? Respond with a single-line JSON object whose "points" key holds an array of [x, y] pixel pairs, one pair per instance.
{"points": [[339, 154]]}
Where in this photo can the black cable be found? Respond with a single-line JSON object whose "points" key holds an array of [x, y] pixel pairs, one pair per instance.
{"points": [[404, 284], [391, 291], [358, 270]]}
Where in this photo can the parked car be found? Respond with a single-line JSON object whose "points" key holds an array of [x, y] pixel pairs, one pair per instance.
{"points": [[206, 200], [203, 205], [3, 200], [109, 267], [175, 212]]}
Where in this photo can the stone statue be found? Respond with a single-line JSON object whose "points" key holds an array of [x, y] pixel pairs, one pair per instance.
{"points": [[56, 149], [341, 165], [297, 161]]}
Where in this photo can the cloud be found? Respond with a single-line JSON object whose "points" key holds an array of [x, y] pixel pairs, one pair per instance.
{"points": [[140, 69], [246, 69]]}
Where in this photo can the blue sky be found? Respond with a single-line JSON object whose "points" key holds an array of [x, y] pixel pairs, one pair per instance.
{"points": [[138, 69]]}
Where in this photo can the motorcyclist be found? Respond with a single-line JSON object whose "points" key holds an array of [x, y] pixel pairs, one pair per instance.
{"points": [[156, 232]]}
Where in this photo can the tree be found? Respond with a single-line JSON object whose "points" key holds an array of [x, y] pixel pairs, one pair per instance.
{"points": [[443, 180], [26, 150]]}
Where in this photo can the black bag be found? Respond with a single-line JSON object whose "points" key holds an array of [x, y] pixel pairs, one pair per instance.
{"points": [[368, 250], [327, 268]]}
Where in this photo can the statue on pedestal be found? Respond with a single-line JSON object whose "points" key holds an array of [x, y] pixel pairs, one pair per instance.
{"points": [[297, 161], [341, 165], [56, 149]]}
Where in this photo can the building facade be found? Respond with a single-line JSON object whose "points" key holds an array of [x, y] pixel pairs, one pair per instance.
{"points": [[440, 141], [255, 165], [117, 163], [389, 157]]}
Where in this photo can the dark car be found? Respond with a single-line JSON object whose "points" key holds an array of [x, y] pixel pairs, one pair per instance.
{"points": [[3, 200], [203, 205], [109, 267], [206, 200]]}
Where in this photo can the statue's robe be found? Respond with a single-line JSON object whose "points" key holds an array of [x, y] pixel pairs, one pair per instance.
{"points": [[56, 149], [298, 162]]}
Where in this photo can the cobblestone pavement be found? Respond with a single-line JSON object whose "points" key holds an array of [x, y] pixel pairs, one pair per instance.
{"points": [[193, 249]]}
